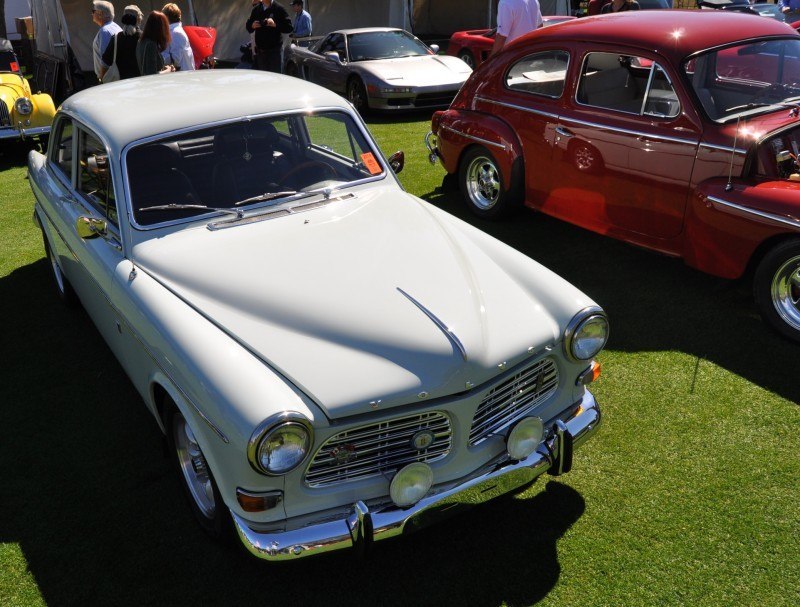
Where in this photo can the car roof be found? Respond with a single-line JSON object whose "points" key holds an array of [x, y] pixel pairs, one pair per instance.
{"points": [[136, 108], [672, 33], [366, 30]]}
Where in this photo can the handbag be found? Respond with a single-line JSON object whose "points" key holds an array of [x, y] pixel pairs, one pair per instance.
{"points": [[112, 73]]}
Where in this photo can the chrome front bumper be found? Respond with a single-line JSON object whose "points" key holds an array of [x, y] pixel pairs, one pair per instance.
{"points": [[11, 132], [361, 526]]}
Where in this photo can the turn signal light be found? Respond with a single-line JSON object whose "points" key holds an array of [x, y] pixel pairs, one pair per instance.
{"points": [[591, 374], [258, 502]]}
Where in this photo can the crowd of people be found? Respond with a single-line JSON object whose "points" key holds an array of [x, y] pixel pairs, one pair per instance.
{"points": [[159, 47]]}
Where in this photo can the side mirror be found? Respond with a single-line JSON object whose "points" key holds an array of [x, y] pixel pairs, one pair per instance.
{"points": [[90, 227], [333, 56], [435, 49], [397, 161]]}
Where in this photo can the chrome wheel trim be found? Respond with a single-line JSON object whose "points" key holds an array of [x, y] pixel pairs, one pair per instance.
{"points": [[57, 275], [584, 158], [194, 467], [483, 183], [785, 292]]}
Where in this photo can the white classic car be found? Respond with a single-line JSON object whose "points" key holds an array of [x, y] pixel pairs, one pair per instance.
{"points": [[333, 361]]}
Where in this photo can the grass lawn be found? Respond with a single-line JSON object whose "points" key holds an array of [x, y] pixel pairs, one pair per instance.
{"points": [[687, 496]]}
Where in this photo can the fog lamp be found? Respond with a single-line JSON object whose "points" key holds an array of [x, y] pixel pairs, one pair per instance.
{"points": [[524, 437], [411, 484]]}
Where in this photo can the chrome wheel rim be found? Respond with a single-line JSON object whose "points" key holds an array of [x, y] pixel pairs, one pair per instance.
{"points": [[483, 183], [786, 292], [468, 59], [57, 275], [355, 96], [584, 158], [194, 467]]}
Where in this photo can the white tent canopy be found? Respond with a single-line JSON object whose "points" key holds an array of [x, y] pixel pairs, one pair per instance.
{"points": [[59, 21]]}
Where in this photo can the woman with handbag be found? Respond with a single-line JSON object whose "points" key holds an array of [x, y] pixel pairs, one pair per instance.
{"points": [[121, 51], [154, 41]]}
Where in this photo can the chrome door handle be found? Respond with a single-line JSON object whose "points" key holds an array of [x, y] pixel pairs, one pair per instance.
{"points": [[564, 132]]}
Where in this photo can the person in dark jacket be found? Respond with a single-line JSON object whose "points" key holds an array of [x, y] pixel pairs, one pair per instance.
{"points": [[269, 21], [154, 41], [125, 43]]}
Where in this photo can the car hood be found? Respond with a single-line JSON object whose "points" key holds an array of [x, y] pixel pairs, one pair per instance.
{"points": [[418, 71], [353, 302]]}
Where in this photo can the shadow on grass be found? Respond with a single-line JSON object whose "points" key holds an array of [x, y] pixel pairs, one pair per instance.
{"points": [[654, 302], [15, 153], [100, 519]]}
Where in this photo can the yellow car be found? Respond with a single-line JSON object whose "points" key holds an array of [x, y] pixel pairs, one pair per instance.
{"points": [[22, 114]]}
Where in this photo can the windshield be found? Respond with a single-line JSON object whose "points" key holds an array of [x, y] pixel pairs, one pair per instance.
{"points": [[746, 78], [247, 163], [384, 45]]}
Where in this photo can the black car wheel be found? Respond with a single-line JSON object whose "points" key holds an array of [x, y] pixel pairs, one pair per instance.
{"points": [[776, 288], [481, 182], [357, 94], [467, 57]]}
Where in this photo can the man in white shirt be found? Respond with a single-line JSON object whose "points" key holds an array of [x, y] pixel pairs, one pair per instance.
{"points": [[179, 52], [514, 19], [102, 15]]}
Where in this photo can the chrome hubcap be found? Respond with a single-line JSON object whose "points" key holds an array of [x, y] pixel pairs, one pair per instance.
{"points": [[467, 58], [786, 292], [483, 183], [194, 467]]}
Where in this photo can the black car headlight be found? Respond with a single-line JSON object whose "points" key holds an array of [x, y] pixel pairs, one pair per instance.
{"points": [[586, 334], [23, 106], [280, 443]]}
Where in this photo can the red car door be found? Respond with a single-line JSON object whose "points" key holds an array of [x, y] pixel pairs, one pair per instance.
{"points": [[624, 151]]}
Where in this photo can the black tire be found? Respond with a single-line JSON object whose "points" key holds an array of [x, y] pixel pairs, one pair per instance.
{"points": [[481, 183], [64, 290], [189, 463], [776, 288], [467, 57], [357, 95]]}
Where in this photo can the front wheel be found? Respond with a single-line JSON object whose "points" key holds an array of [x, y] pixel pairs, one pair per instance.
{"points": [[481, 183], [357, 95], [467, 57], [776, 288], [195, 477]]}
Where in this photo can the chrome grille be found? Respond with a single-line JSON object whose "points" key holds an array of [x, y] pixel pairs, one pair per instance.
{"points": [[378, 448], [512, 399], [5, 116]]}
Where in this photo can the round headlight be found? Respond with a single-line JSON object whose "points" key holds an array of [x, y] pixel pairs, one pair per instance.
{"points": [[411, 484], [280, 443], [587, 335], [524, 437], [23, 106]]}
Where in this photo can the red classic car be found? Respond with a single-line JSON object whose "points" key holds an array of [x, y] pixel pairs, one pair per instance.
{"points": [[473, 46], [678, 131]]}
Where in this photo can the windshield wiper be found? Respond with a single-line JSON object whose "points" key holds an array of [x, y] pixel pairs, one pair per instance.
{"points": [[267, 196], [191, 207]]}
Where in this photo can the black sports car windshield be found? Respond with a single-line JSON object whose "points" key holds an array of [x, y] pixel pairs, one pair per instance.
{"points": [[232, 167], [384, 45]]}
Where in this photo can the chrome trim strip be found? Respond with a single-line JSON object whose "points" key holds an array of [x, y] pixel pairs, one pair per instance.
{"points": [[12, 132], [474, 138], [443, 327], [327, 531], [522, 108], [791, 222], [722, 148], [606, 127]]}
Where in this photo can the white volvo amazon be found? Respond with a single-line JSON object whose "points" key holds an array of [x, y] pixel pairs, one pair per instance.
{"points": [[333, 361]]}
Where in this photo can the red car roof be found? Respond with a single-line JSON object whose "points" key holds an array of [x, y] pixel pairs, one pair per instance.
{"points": [[672, 33]]}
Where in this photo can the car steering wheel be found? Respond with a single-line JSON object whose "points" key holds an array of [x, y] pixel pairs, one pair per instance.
{"points": [[323, 167]]}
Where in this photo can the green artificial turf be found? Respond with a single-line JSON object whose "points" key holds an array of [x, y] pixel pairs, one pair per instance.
{"points": [[686, 496]]}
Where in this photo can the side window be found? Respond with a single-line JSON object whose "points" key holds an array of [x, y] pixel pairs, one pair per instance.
{"points": [[540, 74], [94, 176], [625, 83], [61, 148]]}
